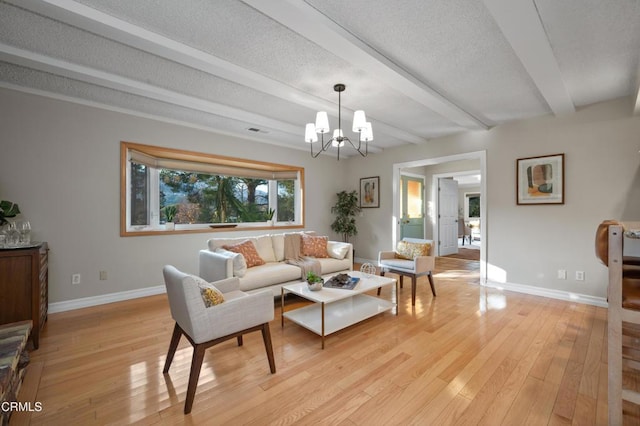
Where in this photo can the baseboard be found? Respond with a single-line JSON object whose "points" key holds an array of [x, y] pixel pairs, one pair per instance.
{"points": [[550, 293], [362, 260], [86, 302], [534, 291]]}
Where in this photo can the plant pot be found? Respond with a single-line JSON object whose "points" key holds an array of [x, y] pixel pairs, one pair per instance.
{"points": [[170, 226], [315, 286], [270, 223]]}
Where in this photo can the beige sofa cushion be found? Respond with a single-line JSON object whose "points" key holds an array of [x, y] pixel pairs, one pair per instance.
{"points": [[330, 265], [277, 240], [269, 274], [264, 246]]}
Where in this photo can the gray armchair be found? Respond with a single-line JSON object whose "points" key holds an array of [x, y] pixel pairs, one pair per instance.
{"points": [[418, 266], [239, 314]]}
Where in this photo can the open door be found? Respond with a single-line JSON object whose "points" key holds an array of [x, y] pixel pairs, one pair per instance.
{"points": [[447, 216], [411, 207]]}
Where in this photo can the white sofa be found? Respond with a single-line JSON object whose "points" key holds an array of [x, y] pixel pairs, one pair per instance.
{"points": [[216, 265]]}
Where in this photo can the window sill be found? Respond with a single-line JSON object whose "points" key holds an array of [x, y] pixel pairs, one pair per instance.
{"points": [[207, 229]]}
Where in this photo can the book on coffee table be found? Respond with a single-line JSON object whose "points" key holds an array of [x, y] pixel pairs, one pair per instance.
{"points": [[342, 281]]}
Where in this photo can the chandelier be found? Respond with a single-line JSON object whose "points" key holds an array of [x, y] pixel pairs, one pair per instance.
{"points": [[360, 126]]}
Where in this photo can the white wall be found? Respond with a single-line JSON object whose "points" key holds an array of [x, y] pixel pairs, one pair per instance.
{"points": [[61, 163], [526, 245]]}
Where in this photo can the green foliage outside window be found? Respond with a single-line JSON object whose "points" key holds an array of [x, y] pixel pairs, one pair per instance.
{"points": [[204, 198], [474, 206]]}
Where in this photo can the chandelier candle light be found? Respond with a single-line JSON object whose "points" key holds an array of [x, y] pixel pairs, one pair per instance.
{"points": [[360, 126]]}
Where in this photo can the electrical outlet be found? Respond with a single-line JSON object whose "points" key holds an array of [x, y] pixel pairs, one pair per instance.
{"points": [[562, 274], [579, 275], [103, 275], [75, 279]]}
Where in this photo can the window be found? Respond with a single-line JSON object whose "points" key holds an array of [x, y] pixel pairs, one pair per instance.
{"points": [[472, 205], [196, 191]]}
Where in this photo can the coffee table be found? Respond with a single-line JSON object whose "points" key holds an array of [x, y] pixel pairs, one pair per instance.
{"points": [[335, 308]]}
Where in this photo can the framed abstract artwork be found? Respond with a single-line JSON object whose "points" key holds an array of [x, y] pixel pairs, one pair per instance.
{"points": [[370, 192], [540, 180]]}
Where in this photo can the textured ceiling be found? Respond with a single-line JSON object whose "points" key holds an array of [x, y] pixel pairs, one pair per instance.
{"points": [[420, 69]]}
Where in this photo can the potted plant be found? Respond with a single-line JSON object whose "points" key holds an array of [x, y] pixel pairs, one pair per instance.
{"points": [[170, 212], [270, 214], [314, 281], [345, 210], [8, 209]]}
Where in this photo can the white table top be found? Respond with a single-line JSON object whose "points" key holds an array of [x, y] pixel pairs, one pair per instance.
{"points": [[328, 295]]}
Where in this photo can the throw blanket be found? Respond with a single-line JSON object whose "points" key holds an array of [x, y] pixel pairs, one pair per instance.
{"points": [[292, 243]]}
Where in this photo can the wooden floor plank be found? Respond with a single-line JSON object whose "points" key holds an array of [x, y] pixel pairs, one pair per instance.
{"points": [[471, 355], [27, 394]]}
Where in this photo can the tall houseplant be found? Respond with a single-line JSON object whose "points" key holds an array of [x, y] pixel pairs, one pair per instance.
{"points": [[345, 210]]}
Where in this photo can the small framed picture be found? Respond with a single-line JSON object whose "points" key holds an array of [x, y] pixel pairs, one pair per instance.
{"points": [[540, 180], [370, 192]]}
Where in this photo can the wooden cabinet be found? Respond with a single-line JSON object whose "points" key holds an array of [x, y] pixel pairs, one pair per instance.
{"points": [[24, 287]]}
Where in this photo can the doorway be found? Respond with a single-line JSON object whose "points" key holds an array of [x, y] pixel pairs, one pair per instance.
{"points": [[447, 216], [411, 206], [441, 165]]}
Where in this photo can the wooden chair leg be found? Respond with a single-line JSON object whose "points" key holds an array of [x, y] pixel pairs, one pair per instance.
{"points": [[175, 339], [433, 287], [194, 375], [382, 275], [240, 341], [413, 290], [266, 336]]}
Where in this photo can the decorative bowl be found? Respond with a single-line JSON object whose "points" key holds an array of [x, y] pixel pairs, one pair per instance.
{"points": [[315, 286]]}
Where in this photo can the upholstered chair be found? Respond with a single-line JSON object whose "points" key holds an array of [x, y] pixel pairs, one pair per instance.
{"points": [[210, 313], [414, 258], [464, 231]]}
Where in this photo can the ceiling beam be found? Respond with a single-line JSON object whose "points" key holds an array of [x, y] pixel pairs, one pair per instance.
{"points": [[304, 19], [521, 25], [101, 78], [94, 21]]}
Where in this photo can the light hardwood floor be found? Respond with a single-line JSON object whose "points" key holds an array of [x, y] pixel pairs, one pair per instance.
{"points": [[470, 356]]}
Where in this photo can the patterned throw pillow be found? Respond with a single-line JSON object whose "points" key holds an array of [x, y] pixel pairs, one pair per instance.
{"points": [[409, 251], [248, 250], [314, 246], [210, 295]]}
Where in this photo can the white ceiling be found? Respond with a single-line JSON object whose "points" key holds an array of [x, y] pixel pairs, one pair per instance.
{"points": [[420, 69]]}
